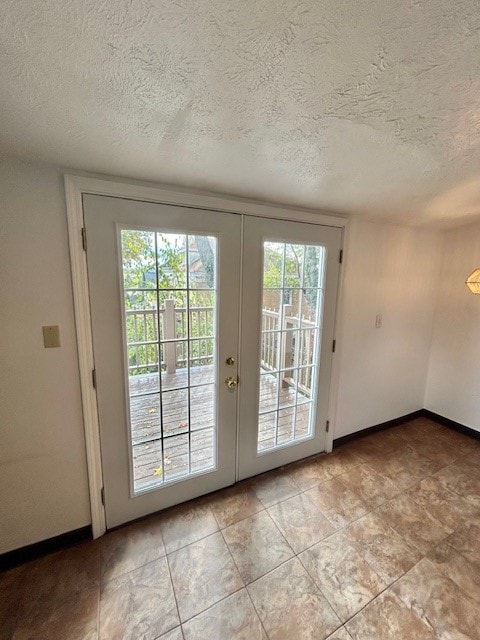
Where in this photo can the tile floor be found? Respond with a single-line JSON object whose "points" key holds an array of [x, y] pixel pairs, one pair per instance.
{"points": [[379, 540]]}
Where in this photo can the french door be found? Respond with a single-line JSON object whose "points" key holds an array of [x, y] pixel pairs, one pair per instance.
{"points": [[186, 403], [164, 290], [290, 276]]}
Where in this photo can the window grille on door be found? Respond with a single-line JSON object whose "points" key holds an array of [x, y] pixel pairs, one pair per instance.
{"points": [[170, 298], [292, 304]]}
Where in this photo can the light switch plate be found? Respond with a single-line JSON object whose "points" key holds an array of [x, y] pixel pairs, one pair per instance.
{"points": [[51, 336]]}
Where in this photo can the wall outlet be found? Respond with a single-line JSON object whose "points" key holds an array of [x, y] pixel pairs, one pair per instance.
{"points": [[378, 321]]}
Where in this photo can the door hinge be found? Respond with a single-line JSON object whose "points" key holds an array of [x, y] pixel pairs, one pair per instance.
{"points": [[334, 344], [84, 238], [328, 426], [94, 378], [102, 495], [340, 256]]}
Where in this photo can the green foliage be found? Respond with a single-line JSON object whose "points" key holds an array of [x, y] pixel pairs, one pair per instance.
{"points": [[298, 261], [140, 272], [138, 258], [284, 267], [171, 263]]}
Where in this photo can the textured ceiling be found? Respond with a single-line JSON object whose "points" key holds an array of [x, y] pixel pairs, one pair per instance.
{"points": [[369, 107]]}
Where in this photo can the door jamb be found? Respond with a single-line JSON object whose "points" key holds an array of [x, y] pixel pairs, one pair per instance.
{"points": [[337, 355], [75, 187]]}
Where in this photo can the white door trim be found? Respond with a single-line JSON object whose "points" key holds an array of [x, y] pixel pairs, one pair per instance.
{"points": [[337, 356], [75, 187], [81, 301]]}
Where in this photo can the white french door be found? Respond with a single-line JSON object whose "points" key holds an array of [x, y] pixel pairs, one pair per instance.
{"points": [[164, 290], [165, 286], [290, 277]]}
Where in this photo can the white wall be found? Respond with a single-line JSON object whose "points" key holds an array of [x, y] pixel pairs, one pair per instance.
{"points": [[43, 477], [453, 384], [393, 271], [43, 481]]}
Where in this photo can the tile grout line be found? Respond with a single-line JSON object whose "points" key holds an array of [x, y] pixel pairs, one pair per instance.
{"points": [[212, 605], [174, 592], [300, 492], [221, 599], [256, 611], [373, 510], [387, 587], [390, 585], [393, 583], [179, 626], [126, 573], [264, 508], [245, 585]]}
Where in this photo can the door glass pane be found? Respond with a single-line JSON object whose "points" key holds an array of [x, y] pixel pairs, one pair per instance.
{"points": [[292, 306], [170, 312]]}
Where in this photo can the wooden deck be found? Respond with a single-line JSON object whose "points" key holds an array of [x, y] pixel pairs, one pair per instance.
{"points": [[200, 441]]}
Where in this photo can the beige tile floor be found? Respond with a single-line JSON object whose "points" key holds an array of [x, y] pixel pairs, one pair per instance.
{"points": [[379, 540]]}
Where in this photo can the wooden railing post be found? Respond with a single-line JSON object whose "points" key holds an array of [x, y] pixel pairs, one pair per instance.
{"points": [[169, 334], [287, 347]]}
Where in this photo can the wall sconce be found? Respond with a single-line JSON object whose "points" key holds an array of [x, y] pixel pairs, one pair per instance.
{"points": [[473, 281]]}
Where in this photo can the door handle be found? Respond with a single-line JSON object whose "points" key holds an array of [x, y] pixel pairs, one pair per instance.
{"points": [[232, 383]]}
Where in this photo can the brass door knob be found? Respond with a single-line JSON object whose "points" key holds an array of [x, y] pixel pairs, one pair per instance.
{"points": [[230, 361], [231, 383]]}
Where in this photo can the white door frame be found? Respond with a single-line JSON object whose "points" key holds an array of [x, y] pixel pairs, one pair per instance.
{"points": [[75, 187]]}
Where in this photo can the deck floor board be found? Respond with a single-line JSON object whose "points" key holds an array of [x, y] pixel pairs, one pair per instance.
{"points": [[146, 412]]}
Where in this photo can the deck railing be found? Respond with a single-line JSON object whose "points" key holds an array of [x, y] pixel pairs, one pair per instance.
{"points": [[142, 331], [282, 347]]}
